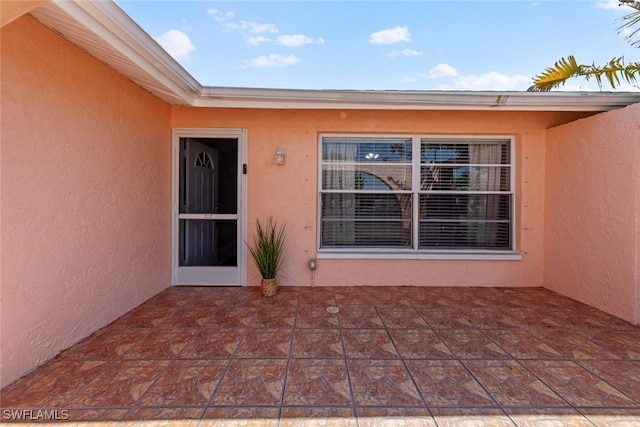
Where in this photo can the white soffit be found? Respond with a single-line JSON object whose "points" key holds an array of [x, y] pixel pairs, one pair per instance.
{"points": [[106, 32]]}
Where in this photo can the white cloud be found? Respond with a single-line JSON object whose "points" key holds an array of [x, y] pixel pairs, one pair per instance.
{"points": [[611, 5], [220, 16], [391, 36], [296, 40], [251, 27], [257, 40], [489, 81], [441, 70], [273, 60], [176, 43], [404, 52]]}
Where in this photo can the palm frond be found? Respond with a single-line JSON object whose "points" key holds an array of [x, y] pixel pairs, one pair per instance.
{"points": [[614, 72], [555, 76]]}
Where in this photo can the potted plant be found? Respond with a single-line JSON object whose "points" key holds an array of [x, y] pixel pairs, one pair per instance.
{"points": [[266, 250]]}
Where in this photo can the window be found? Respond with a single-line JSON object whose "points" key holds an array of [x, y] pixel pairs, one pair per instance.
{"points": [[416, 194]]}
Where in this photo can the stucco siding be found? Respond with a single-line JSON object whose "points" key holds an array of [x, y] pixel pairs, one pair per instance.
{"points": [[289, 192], [591, 214], [86, 160]]}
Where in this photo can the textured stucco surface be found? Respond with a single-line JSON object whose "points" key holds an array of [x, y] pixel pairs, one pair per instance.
{"points": [[591, 216], [11, 10], [86, 161], [289, 192]]}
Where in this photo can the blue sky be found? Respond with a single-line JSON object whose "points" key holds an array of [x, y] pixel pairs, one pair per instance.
{"points": [[384, 45]]}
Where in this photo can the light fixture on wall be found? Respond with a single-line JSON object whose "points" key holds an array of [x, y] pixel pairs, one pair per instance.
{"points": [[280, 157]]}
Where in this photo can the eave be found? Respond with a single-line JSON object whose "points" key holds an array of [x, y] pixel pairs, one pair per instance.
{"points": [[106, 32]]}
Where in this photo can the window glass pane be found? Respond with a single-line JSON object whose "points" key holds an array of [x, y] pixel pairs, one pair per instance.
{"points": [[208, 243], [373, 220], [465, 221], [465, 235], [493, 153], [464, 178], [367, 150], [378, 177], [495, 207], [464, 197]]}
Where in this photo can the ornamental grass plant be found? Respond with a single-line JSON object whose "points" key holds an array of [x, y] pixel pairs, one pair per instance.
{"points": [[266, 247]]}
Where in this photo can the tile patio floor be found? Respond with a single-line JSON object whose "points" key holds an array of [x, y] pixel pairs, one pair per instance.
{"points": [[392, 356]]}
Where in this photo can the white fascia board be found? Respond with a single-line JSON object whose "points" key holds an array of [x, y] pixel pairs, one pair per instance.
{"points": [[117, 29], [413, 100]]}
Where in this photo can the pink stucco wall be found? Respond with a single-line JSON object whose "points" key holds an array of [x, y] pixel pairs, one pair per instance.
{"points": [[86, 161], [592, 211], [289, 192]]}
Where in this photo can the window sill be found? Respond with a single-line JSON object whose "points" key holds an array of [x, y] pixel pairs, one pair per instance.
{"points": [[480, 256]]}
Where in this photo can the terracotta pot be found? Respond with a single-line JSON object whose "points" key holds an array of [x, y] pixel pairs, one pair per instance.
{"points": [[269, 287]]}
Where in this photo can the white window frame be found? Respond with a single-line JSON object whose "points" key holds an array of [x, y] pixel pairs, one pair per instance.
{"points": [[414, 252]]}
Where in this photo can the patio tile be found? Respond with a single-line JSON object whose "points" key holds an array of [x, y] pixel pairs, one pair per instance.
{"points": [[317, 297], [417, 344], [586, 317], [270, 317], [527, 317], [350, 296], [388, 297], [523, 345], [571, 345], [252, 382], [482, 356], [402, 318], [471, 417], [213, 343], [312, 317], [317, 382], [360, 317], [317, 343], [382, 383], [623, 375], [160, 344], [52, 384], [488, 318], [369, 344], [287, 297], [185, 383], [231, 318], [189, 317], [624, 344], [578, 386], [103, 417], [145, 317], [332, 416], [427, 297], [510, 384], [471, 344], [394, 417], [448, 383], [265, 343], [543, 417], [111, 343], [186, 416], [445, 318], [245, 416], [121, 384]]}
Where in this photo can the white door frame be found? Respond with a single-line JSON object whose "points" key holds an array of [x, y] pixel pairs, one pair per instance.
{"points": [[241, 135]]}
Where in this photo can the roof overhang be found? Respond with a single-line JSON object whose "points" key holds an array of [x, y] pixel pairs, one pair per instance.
{"points": [[106, 32]]}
